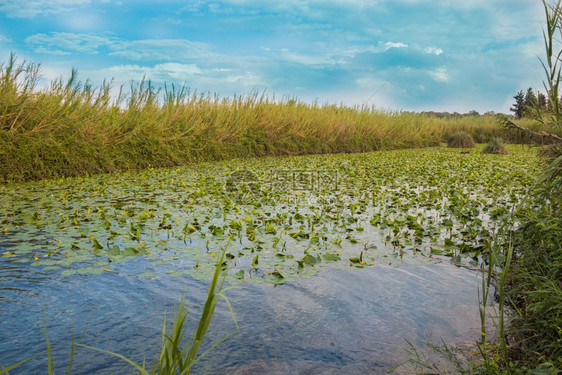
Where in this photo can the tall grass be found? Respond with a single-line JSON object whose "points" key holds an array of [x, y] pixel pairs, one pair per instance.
{"points": [[495, 146], [529, 256], [461, 140], [534, 286], [72, 127], [178, 355]]}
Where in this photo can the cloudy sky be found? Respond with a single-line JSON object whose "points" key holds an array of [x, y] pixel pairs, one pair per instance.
{"points": [[454, 55]]}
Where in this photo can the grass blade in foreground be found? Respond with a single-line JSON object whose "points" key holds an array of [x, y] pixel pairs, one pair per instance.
{"points": [[174, 359]]}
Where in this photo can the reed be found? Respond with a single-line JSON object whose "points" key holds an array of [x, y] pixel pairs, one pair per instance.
{"points": [[527, 252], [74, 128]]}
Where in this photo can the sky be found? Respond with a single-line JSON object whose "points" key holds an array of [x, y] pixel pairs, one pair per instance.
{"points": [[413, 55]]}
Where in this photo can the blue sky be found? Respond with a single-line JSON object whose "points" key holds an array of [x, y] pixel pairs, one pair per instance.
{"points": [[451, 55]]}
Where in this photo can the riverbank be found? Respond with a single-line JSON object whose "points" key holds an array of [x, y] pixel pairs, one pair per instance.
{"points": [[72, 128]]}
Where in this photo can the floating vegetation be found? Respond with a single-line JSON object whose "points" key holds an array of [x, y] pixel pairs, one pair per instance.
{"points": [[282, 217]]}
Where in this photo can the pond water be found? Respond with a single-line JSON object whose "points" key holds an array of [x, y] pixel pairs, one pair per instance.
{"points": [[333, 278], [338, 321]]}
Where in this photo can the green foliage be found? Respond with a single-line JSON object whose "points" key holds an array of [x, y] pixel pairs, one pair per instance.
{"points": [[527, 104], [495, 146], [532, 282], [461, 140], [73, 128], [535, 289], [519, 107], [274, 225]]}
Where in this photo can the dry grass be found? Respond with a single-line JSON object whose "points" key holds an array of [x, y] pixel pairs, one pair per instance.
{"points": [[461, 140], [74, 128], [495, 146]]}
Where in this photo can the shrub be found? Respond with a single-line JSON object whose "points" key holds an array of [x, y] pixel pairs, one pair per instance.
{"points": [[495, 146], [480, 137], [461, 140]]}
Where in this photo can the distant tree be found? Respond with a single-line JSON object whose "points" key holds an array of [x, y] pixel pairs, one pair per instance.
{"points": [[530, 98], [519, 106], [473, 113], [542, 101]]}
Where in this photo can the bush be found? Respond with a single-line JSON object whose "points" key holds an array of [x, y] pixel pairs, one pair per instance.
{"points": [[495, 146], [480, 137], [461, 140]]}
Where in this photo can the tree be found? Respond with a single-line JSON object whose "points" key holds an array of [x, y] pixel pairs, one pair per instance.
{"points": [[530, 98], [519, 106], [542, 101]]}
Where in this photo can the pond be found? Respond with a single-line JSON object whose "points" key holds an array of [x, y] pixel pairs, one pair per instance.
{"points": [[337, 260]]}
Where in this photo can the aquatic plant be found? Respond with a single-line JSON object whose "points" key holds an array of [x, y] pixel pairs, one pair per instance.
{"points": [[407, 205]]}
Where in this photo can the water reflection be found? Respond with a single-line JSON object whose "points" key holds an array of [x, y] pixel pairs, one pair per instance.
{"points": [[338, 321]]}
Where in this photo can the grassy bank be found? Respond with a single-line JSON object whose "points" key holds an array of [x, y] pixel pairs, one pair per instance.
{"points": [[73, 128], [535, 291], [531, 253]]}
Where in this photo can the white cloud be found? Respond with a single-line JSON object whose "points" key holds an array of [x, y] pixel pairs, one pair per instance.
{"points": [[160, 49], [33, 8], [4, 39], [65, 43], [59, 43], [247, 79], [328, 55], [434, 51], [158, 72], [389, 45], [319, 59], [440, 74], [179, 74], [368, 82], [82, 21]]}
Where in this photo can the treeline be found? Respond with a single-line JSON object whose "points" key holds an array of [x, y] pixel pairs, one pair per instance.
{"points": [[472, 113], [527, 103]]}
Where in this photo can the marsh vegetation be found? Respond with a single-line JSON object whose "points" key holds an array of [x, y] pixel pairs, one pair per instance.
{"points": [[357, 198]]}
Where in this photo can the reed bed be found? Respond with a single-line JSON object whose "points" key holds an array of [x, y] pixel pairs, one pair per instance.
{"points": [[74, 128]]}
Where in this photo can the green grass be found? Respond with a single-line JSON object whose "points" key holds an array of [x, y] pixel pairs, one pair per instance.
{"points": [[532, 282], [525, 257], [72, 128], [535, 290]]}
